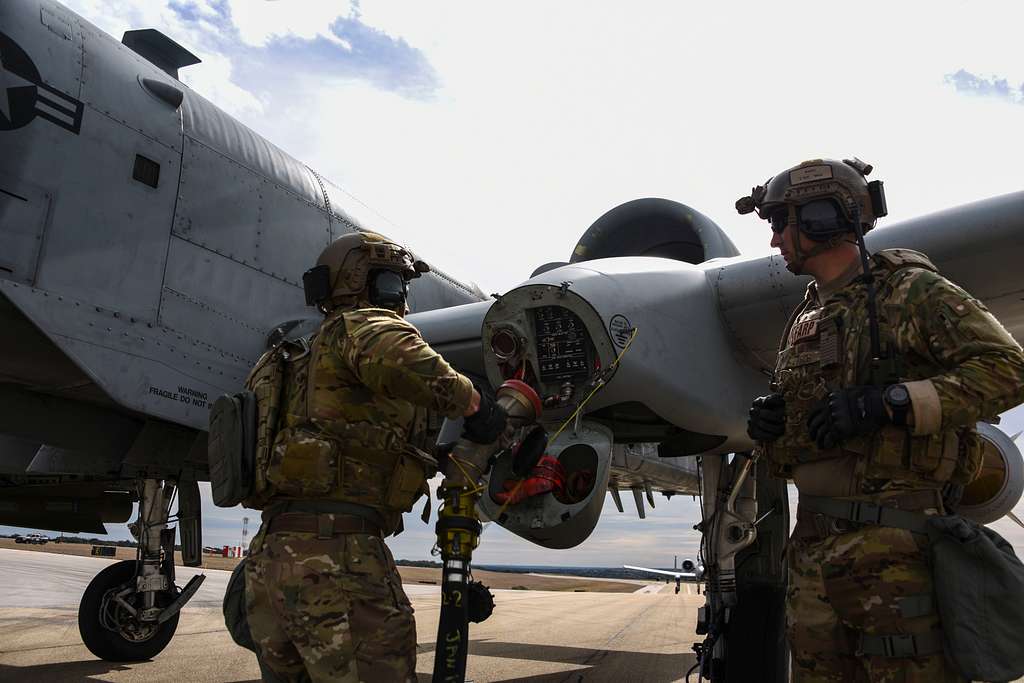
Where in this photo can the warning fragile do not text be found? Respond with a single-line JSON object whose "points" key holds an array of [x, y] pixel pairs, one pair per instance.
{"points": [[184, 394]]}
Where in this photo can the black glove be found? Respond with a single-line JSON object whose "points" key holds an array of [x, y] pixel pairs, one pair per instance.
{"points": [[767, 418], [486, 424], [443, 454], [853, 411]]}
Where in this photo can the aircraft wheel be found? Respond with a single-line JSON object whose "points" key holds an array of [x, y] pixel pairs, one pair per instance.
{"points": [[109, 630]]}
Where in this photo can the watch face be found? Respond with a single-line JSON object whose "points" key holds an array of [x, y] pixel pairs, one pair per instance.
{"points": [[897, 395]]}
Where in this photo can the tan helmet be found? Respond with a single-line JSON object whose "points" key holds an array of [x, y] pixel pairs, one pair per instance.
{"points": [[844, 182], [342, 271]]}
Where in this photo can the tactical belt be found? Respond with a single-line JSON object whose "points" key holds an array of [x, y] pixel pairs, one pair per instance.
{"points": [[362, 518], [864, 513], [324, 525], [901, 645]]}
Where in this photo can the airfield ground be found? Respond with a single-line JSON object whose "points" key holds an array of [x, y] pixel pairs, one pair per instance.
{"points": [[536, 634], [410, 575]]}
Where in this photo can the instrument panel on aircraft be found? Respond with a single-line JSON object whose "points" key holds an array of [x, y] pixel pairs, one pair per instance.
{"points": [[550, 338]]}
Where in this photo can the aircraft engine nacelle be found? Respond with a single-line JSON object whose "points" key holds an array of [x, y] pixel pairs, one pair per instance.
{"points": [[688, 565], [999, 485], [651, 227], [566, 518]]}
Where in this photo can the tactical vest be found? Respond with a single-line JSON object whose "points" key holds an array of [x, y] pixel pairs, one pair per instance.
{"points": [[827, 347], [339, 441]]}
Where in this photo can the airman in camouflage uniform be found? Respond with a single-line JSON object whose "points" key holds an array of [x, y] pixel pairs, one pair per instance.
{"points": [[864, 436], [324, 599]]}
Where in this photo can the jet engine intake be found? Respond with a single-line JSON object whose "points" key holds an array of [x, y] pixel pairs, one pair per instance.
{"points": [[999, 485], [654, 227]]}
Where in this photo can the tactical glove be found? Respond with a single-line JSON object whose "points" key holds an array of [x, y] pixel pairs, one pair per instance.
{"points": [[486, 424], [767, 418], [443, 454], [849, 412], [547, 476]]}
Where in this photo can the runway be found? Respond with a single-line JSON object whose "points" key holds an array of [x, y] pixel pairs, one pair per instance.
{"points": [[541, 636]]}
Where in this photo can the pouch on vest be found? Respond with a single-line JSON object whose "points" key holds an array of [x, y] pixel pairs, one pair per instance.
{"points": [[235, 616], [979, 588], [232, 447], [408, 480], [303, 464]]}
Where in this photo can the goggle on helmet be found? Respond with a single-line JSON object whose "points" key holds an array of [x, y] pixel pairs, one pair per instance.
{"points": [[823, 197]]}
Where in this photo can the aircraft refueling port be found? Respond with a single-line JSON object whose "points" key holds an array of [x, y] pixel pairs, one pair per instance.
{"points": [[580, 463], [505, 344]]}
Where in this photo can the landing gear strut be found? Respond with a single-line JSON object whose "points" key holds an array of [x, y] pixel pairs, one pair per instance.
{"points": [[745, 525], [129, 612]]}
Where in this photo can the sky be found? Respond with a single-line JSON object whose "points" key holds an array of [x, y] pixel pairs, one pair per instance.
{"points": [[489, 136]]}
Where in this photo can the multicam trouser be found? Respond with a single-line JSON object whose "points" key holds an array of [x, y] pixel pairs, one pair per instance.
{"points": [[329, 609], [855, 583]]}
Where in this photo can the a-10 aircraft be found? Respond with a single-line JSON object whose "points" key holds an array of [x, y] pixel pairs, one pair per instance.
{"points": [[152, 247], [690, 571]]}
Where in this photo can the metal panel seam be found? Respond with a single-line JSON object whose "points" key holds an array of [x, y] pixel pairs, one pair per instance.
{"points": [[208, 307], [244, 265], [174, 214], [255, 172]]}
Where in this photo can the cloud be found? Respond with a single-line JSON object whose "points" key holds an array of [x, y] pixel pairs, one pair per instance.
{"points": [[271, 46], [966, 82]]}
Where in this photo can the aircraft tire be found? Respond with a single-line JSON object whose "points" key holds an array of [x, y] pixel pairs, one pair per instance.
{"points": [[123, 645]]}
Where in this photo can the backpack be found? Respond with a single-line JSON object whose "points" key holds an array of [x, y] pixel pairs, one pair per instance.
{"points": [[243, 427]]}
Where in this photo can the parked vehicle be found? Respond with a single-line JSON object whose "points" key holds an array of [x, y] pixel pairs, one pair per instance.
{"points": [[35, 539]]}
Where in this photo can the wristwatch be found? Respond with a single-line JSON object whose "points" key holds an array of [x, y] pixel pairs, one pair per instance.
{"points": [[897, 398]]}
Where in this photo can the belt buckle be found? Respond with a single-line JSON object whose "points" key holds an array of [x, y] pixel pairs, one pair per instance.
{"points": [[324, 526], [901, 645], [864, 512]]}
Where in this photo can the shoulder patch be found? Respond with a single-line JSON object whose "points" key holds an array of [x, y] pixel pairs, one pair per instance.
{"points": [[896, 259]]}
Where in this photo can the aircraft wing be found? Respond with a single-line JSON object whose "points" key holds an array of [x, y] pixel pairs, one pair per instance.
{"points": [[665, 355], [663, 572]]}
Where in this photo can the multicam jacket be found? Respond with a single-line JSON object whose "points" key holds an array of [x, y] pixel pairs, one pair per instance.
{"points": [[354, 413], [958, 363]]}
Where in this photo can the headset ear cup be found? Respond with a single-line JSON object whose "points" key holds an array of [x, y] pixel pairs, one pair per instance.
{"points": [[387, 288], [822, 220]]}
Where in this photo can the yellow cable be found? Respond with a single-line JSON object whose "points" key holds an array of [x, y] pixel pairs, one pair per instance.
{"points": [[572, 417]]}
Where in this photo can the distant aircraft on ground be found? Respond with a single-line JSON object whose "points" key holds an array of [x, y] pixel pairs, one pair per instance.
{"points": [[151, 248], [690, 571]]}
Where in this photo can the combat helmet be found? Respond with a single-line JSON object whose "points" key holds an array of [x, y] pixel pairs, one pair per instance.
{"points": [[361, 267], [824, 197]]}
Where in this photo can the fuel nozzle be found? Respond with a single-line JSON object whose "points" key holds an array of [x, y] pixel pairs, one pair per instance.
{"points": [[469, 460]]}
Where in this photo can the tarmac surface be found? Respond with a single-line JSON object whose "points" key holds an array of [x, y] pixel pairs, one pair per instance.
{"points": [[542, 636]]}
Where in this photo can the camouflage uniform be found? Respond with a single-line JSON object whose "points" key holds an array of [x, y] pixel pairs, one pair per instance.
{"points": [[327, 605], [959, 365]]}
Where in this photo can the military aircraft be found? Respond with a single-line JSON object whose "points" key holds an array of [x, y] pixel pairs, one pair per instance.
{"points": [[689, 571], [151, 248]]}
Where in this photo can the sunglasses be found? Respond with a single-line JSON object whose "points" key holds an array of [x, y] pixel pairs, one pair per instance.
{"points": [[818, 216]]}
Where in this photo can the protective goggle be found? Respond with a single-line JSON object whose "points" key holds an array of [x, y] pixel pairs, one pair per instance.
{"points": [[817, 218]]}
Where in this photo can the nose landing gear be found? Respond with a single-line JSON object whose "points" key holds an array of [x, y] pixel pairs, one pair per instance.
{"points": [[130, 611], [110, 617]]}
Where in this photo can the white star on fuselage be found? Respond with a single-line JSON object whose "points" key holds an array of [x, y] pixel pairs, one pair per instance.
{"points": [[9, 80]]}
